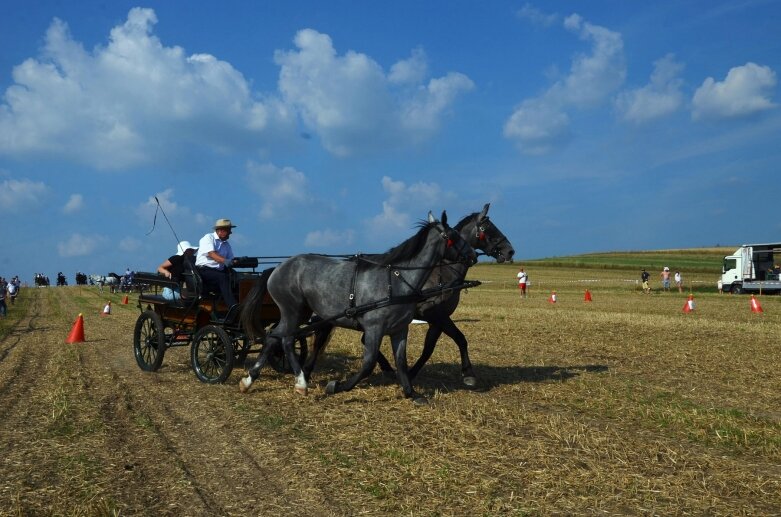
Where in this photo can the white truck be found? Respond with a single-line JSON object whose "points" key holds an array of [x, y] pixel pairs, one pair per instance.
{"points": [[753, 268]]}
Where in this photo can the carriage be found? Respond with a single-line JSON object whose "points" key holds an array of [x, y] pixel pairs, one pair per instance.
{"points": [[201, 320], [309, 295]]}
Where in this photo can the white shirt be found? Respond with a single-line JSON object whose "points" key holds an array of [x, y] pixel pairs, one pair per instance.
{"points": [[677, 278], [210, 242], [521, 277]]}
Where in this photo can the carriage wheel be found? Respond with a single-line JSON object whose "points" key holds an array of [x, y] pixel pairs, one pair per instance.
{"points": [[149, 341], [278, 360], [211, 355], [241, 349]]}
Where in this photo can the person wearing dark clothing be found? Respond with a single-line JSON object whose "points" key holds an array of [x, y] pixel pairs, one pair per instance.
{"points": [[645, 276], [174, 268]]}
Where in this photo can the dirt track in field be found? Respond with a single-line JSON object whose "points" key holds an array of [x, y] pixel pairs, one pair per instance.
{"points": [[581, 410], [85, 422]]}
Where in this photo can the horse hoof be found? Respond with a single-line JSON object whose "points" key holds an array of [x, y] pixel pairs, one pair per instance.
{"points": [[330, 388], [470, 381], [301, 391], [420, 401], [244, 384]]}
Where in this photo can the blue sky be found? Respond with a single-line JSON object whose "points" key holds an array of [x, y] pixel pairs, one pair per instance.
{"points": [[334, 127]]}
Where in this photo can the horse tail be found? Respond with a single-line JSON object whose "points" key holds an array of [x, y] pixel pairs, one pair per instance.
{"points": [[251, 317]]}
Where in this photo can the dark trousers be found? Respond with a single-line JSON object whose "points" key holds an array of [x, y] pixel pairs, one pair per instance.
{"points": [[218, 280]]}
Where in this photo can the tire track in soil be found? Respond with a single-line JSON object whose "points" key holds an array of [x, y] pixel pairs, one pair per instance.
{"points": [[128, 396], [17, 367]]}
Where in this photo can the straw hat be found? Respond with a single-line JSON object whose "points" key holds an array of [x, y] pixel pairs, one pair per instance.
{"points": [[224, 223], [184, 246]]}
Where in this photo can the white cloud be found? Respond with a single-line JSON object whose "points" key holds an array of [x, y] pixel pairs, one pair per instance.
{"points": [[148, 213], [747, 90], [350, 103], [660, 97], [281, 189], [74, 204], [78, 245], [329, 238], [538, 126], [531, 13], [541, 123], [410, 71], [130, 244], [21, 194], [130, 102], [403, 207]]}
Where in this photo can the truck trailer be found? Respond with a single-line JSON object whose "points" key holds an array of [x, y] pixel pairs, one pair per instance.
{"points": [[753, 268]]}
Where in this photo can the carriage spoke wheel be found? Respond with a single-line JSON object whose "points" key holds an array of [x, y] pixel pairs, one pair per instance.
{"points": [[241, 349], [149, 341], [211, 355]]}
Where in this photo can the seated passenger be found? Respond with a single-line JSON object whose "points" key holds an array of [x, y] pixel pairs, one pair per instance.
{"points": [[174, 268]]}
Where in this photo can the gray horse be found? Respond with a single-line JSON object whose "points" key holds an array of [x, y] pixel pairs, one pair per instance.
{"points": [[346, 293], [481, 234]]}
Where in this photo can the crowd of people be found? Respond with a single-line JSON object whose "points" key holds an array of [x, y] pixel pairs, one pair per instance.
{"points": [[645, 277]]}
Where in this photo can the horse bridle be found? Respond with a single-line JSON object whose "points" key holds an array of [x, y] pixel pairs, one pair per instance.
{"points": [[452, 237], [481, 236]]}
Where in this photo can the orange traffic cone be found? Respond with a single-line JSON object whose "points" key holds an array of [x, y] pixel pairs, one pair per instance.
{"points": [[124, 300], [552, 298], [755, 306], [587, 297], [689, 305], [77, 332], [106, 309]]}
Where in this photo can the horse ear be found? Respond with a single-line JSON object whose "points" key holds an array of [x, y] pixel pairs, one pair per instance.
{"points": [[444, 217], [485, 210], [431, 217]]}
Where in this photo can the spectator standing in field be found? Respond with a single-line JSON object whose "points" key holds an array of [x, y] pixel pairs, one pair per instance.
{"points": [[523, 278], [214, 259], [3, 306], [720, 285], [12, 290], [174, 268], [679, 281], [645, 276], [665, 278]]}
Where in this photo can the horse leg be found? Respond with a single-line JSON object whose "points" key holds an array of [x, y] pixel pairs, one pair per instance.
{"points": [[467, 374], [432, 336], [385, 366], [322, 338], [399, 343], [287, 346], [254, 372], [371, 347]]}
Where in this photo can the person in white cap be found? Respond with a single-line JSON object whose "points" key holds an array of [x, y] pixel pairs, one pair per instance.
{"points": [[173, 268], [666, 278], [215, 258]]}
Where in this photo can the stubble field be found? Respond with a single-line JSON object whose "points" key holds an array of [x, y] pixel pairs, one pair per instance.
{"points": [[621, 406]]}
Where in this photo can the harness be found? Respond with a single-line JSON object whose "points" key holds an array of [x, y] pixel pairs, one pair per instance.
{"points": [[417, 294]]}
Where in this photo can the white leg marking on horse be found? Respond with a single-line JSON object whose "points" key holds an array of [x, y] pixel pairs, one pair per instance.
{"points": [[245, 383], [301, 386]]}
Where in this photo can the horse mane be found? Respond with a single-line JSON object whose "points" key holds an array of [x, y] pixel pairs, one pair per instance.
{"points": [[404, 251], [458, 227]]}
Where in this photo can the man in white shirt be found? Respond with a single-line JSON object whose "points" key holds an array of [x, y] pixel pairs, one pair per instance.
{"points": [[215, 257], [522, 279]]}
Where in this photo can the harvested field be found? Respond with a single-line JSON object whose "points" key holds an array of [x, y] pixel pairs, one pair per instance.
{"points": [[624, 405]]}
